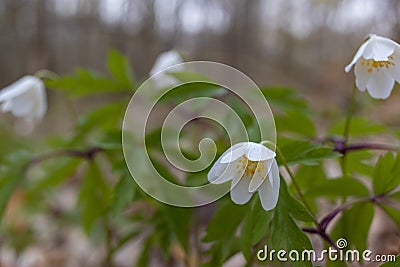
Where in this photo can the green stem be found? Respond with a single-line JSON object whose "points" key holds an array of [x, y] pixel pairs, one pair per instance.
{"points": [[46, 74], [293, 178], [296, 185]]}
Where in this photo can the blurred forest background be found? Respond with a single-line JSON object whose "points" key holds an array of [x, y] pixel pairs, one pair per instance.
{"points": [[301, 43]]}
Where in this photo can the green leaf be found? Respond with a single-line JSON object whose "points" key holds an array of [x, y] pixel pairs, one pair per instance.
{"points": [[223, 250], [94, 196], [179, 221], [189, 77], [225, 222], [84, 82], [284, 98], [386, 173], [395, 195], [393, 213], [192, 90], [292, 205], [255, 226], [11, 176], [144, 256], [359, 127], [296, 123], [360, 162], [119, 67], [124, 192], [307, 153], [105, 118], [358, 217], [339, 187], [110, 141], [56, 173], [286, 234], [392, 264]]}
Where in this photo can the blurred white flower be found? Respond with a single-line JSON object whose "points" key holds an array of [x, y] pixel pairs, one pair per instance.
{"points": [[251, 167], [165, 60], [25, 98], [377, 66]]}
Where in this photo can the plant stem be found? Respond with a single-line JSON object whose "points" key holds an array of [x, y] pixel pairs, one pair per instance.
{"points": [[46, 74], [86, 154], [108, 261], [296, 185]]}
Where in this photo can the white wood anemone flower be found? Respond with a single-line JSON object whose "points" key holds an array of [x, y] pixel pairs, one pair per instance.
{"points": [[251, 167], [25, 98], [163, 61], [377, 66]]}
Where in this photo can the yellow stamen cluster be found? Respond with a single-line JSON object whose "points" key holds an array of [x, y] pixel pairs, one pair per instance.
{"points": [[372, 64], [248, 167]]}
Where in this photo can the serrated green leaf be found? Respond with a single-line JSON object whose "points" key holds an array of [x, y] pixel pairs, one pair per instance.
{"points": [[339, 187], [105, 118], [286, 234], [179, 221], [11, 176], [124, 192], [94, 196], [284, 98], [360, 162], [393, 213], [296, 123], [359, 127], [85, 82], [144, 256], [386, 173], [119, 67], [225, 222], [359, 217], [255, 226], [307, 153], [292, 205], [192, 90], [56, 173]]}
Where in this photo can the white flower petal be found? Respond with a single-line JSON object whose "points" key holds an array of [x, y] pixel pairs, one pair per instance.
{"points": [[357, 56], [258, 152], [260, 175], [229, 171], [216, 170], [19, 87], [362, 75], [240, 193], [25, 98], [378, 49], [234, 152], [394, 71], [380, 84], [6, 106], [23, 104], [269, 192], [165, 60]]}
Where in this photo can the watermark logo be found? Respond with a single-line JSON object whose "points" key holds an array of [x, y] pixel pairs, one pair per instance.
{"points": [[330, 254], [147, 117]]}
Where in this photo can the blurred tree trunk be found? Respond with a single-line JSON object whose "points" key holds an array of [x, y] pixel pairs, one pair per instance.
{"points": [[38, 59]]}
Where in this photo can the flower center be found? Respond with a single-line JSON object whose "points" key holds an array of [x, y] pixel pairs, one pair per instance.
{"points": [[249, 167], [372, 64]]}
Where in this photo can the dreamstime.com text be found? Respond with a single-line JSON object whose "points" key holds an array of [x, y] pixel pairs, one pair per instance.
{"points": [[331, 254]]}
